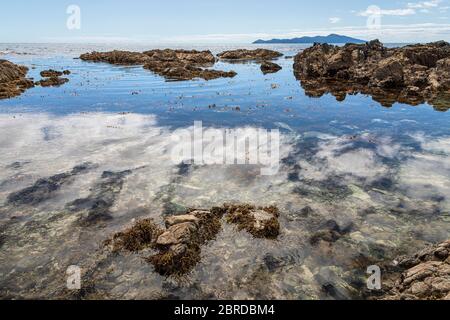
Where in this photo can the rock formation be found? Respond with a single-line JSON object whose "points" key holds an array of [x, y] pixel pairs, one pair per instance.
{"points": [[413, 74], [178, 246], [171, 64], [53, 78], [424, 276], [270, 67], [244, 54], [13, 81]]}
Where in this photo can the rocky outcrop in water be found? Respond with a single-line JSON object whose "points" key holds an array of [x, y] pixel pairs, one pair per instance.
{"points": [[424, 276], [270, 67], [179, 244], [175, 65], [13, 81], [53, 78], [413, 74], [245, 55]]}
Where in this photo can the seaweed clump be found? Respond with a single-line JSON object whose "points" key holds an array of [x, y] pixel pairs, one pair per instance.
{"points": [[260, 222], [178, 246]]}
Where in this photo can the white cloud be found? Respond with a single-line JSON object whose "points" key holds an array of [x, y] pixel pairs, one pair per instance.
{"points": [[373, 11], [335, 20], [424, 4]]}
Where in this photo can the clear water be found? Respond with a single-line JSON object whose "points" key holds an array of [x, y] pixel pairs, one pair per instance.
{"points": [[385, 170]]}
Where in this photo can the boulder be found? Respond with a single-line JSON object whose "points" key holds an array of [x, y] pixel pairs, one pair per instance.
{"points": [[13, 81], [412, 74], [270, 67], [244, 54]]}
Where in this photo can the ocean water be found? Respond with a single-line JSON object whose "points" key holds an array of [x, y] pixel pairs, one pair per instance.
{"points": [[381, 173]]}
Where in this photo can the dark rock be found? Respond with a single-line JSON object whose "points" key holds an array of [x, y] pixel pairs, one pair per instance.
{"points": [[175, 65], [270, 67], [52, 82], [13, 81], [244, 54], [51, 73], [413, 74]]}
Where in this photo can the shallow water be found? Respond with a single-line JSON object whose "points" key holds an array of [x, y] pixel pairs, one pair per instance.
{"points": [[382, 172]]}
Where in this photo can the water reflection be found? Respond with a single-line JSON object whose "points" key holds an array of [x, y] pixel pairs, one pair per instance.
{"points": [[377, 195]]}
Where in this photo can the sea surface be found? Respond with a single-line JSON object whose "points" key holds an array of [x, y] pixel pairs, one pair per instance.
{"points": [[381, 174]]}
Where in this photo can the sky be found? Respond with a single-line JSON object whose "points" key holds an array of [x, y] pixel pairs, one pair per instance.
{"points": [[213, 21]]}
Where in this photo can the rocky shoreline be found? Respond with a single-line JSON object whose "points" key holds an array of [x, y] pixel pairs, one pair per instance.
{"points": [[423, 276], [13, 80], [412, 74]]}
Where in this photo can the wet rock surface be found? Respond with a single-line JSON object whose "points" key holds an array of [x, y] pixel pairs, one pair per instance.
{"points": [[270, 67], [424, 276], [413, 74], [174, 65], [179, 245], [45, 188], [245, 55], [13, 81]]}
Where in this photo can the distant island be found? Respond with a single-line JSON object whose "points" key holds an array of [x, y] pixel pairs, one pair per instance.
{"points": [[332, 38]]}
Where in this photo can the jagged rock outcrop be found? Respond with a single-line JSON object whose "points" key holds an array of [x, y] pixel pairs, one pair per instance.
{"points": [[13, 81], [270, 67], [244, 54], [413, 74], [424, 276], [173, 65]]}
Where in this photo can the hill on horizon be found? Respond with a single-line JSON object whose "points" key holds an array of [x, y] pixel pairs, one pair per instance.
{"points": [[332, 38]]}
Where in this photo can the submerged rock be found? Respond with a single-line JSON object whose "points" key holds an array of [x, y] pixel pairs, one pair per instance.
{"points": [[44, 188], [270, 67], [175, 65], [244, 54], [413, 74], [96, 207], [13, 81], [424, 276]]}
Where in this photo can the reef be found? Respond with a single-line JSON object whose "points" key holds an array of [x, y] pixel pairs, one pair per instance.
{"points": [[270, 67], [178, 246], [44, 188], [246, 55], [173, 65], [412, 74], [423, 276], [13, 80], [53, 78]]}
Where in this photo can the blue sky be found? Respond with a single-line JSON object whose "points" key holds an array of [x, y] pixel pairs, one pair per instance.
{"points": [[232, 21]]}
